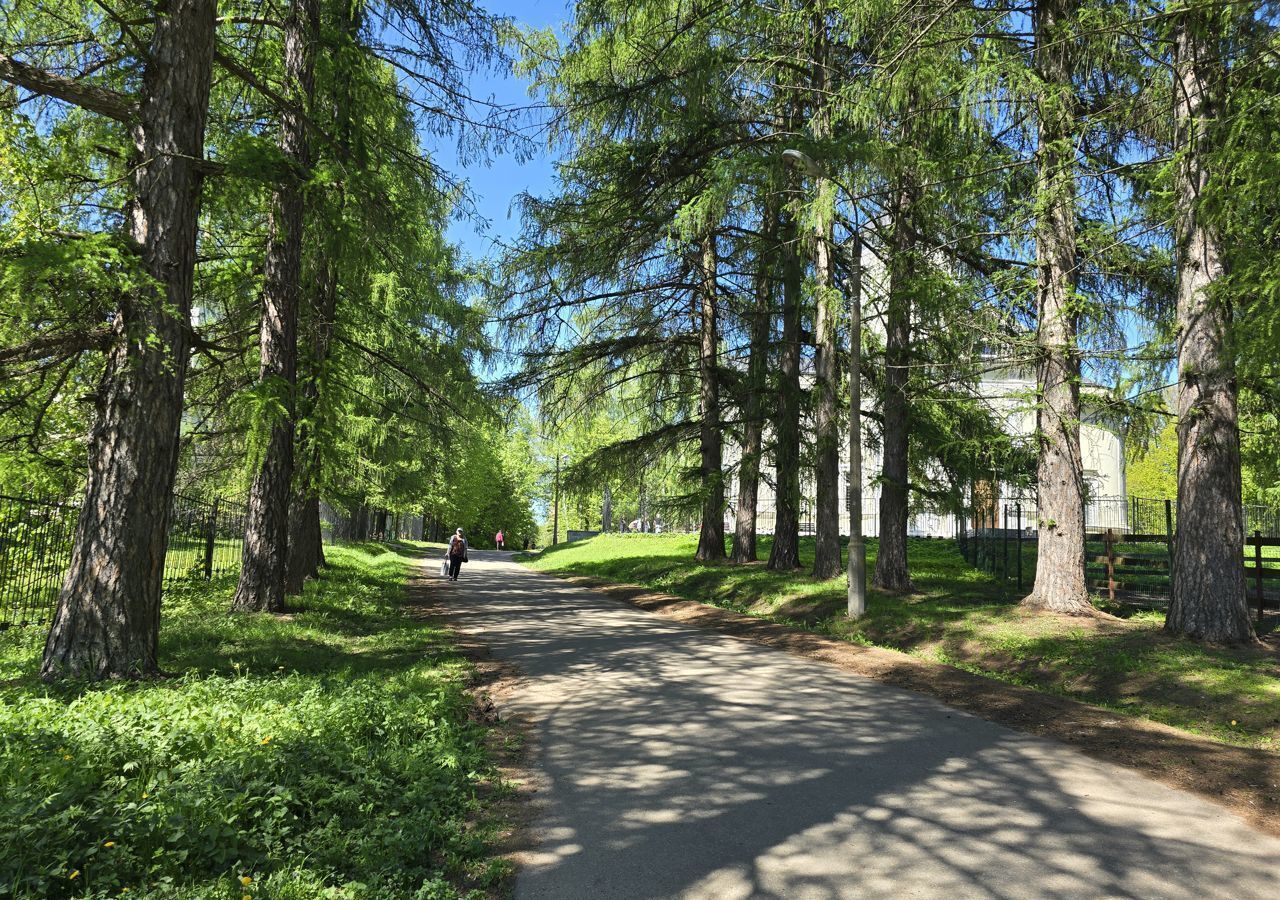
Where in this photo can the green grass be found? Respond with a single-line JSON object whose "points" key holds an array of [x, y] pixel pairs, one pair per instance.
{"points": [[322, 754], [963, 617]]}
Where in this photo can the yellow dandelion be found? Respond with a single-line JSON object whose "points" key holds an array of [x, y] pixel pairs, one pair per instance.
{"points": [[1233, 721], [74, 875], [246, 897], [109, 844], [144, 795], [266, 740], [66, 756], [246, 880]]}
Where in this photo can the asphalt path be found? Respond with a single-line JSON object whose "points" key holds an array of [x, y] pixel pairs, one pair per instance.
{"points": [[678, 762]]}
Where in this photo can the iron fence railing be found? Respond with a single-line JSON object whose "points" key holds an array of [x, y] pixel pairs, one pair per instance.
{"points": [[206, 538]]}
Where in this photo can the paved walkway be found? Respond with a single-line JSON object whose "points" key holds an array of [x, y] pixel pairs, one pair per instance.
{"points": [[683, 763]]}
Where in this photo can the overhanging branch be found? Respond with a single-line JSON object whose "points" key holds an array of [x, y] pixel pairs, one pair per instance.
{"points": [[103, 101]]}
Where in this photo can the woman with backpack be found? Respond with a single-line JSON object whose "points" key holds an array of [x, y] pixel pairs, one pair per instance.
{"points": [[457, 554]]}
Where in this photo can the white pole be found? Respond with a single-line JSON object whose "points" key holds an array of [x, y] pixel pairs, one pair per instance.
{"points": [[857, 547]]}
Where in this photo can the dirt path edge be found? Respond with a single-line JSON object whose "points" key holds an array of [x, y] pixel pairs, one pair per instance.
{"points": [[510, 738], [1243, 780]]}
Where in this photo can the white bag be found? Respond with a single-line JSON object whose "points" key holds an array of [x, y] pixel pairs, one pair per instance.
{"points": [[444, 567]]}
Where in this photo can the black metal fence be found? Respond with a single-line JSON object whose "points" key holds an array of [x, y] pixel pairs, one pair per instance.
{"points": [[206, 538], [1128, 547]]}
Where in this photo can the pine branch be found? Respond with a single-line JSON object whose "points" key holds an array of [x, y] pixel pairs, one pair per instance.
{"points": [[63, 344]]}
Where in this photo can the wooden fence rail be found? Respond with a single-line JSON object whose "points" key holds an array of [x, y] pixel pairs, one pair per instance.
{"points": [[1138, 576]]}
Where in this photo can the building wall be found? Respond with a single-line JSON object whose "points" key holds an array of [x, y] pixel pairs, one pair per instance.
{"points": [[1011, 397]]}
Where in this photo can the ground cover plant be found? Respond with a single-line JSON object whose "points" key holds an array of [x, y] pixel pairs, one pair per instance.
{"points": [[323, 753], [966, 618]]}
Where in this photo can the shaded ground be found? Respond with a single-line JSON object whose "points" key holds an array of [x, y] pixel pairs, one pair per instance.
{"points": [[963, 618], [681, 762]]}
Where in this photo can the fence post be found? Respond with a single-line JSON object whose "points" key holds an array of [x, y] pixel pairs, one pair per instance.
{"points": [[1110, 539], [1018, 509], [210, 537], [1004, 547], [992, 523], [1168, 538], [1257, 572]]}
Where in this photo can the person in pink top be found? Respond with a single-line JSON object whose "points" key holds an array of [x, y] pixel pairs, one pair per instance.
{"points": [[497, 538]]}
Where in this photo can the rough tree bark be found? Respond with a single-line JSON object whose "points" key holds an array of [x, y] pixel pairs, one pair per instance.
{"points": [[785, 554], [306, 542], [711, 531], [266, 535], [305, 553], [892, 572], [744, 525], [826, 554], [1209, 600], [107, 623], [1060, 585]]}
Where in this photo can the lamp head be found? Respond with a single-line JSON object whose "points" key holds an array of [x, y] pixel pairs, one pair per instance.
{"points": [[801, 160]]}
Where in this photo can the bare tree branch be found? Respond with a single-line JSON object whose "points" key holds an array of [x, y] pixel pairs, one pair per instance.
{"points": [[103, 101]]}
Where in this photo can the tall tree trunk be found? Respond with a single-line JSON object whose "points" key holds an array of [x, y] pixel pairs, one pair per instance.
{"points": [[785, 554], [306, 542], [826, 556], [107, 622], [1060, 585], [306, 545], [891, 572], [711, 532], [266, 536], [744, 525], [1209, 601], [606, 510]]}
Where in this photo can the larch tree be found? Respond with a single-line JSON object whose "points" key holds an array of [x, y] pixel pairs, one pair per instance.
{"points": [[1060, 579], [826, 557], [1208, 598], [108, 615], [266, 540], [710, 447], [760, 318]]}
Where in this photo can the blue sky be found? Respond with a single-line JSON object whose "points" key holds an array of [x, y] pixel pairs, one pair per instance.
{"points": [[499, 181]]}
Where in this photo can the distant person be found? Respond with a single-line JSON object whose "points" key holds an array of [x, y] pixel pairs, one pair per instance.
{"points": [[497, 538], [457, 554]]}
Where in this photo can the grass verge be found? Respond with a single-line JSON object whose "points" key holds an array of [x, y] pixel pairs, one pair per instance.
{"points": [[964, 618], [326, 753]]}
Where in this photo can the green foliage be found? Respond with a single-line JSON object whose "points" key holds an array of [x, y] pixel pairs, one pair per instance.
{"points": [[487, 481], [326, 754], [1152, 471]]}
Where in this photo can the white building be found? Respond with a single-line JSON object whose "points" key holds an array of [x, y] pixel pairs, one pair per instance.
{"points": [[1011, 396]]}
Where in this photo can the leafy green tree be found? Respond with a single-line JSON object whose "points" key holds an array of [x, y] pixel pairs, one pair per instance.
{"points": [[1152, 470]]}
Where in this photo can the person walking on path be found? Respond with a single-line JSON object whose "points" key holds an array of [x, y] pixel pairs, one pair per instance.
{"points": [[457, 554], [497, 538]]}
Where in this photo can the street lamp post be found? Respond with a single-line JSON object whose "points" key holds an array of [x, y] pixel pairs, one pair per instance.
{"points": [[555, 511], [857, 547], [857, 604]]}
